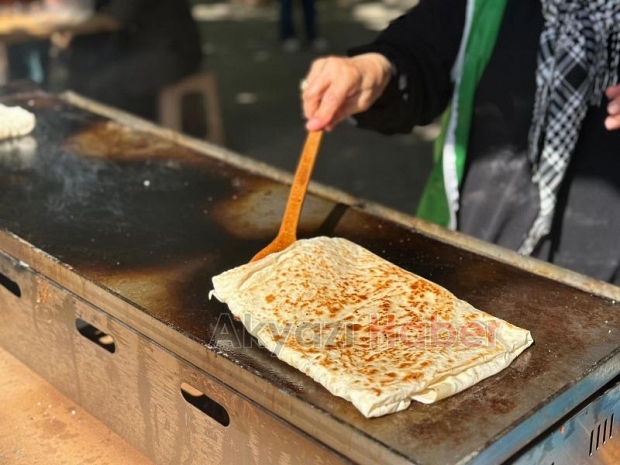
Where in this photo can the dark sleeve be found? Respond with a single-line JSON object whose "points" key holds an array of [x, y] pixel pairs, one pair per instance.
{"points": [[126, 11], [422, 46]]}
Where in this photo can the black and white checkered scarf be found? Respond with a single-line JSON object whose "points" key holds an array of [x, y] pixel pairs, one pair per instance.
{"points": [[578, 59]]}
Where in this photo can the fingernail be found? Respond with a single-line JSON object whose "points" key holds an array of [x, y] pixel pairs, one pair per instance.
{"points": [[612, 123], [613, 108], [611, 91], [313, 124]]}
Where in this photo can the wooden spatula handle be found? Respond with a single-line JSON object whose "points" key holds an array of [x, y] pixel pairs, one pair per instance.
{"points": [[287, 234], [292, 213]]}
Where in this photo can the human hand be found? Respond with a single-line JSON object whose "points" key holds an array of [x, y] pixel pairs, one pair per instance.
{"points": [[338, 87], [613, 108]]}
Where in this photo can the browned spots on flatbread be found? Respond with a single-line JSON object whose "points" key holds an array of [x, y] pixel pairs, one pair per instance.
{"points": [[370, 371], [412, 376]]}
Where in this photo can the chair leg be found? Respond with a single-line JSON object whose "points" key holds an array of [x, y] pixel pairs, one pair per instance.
{"points": [[171, 105], [215, 128], [170, 109], [4, 64]]}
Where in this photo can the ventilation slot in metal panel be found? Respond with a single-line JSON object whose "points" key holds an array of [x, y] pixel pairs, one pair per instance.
{"points": [[205, 404], [10, 285], [95, 335], [601, 434]]}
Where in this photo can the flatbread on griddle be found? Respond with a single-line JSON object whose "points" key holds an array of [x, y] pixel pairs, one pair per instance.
{"points": [[367, 330], [15, 122]]}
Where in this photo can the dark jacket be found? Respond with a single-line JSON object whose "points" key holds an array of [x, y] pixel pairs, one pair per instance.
{"points": [[156, 23]]}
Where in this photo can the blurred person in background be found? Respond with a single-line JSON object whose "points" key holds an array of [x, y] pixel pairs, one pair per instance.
{"points": [[158, 43], [28, 60], [288, 37], [529, 154]]}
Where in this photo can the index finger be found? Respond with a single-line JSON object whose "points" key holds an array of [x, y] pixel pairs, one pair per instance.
{"points": [[332, 101], [318, 80], [315, 70], [312, 98]]}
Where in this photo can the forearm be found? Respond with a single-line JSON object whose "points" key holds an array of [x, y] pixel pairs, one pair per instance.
{"points": [[422, 47]]}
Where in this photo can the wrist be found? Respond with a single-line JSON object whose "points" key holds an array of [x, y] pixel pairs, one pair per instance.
{"points": [[376, 70]]}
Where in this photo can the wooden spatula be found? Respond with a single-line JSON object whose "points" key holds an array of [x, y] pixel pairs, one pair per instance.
{"points": [[288, 228]]}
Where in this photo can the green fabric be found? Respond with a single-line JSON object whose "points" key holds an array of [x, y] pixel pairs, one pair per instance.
{"points": [[485, 23], [433, 204]]}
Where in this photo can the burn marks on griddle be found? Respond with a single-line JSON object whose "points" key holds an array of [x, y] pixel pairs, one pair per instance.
{"points": [[255, 210]]}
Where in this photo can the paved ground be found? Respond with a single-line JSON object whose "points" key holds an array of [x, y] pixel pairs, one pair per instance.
{"points": [[258, 84], [41, 426]]}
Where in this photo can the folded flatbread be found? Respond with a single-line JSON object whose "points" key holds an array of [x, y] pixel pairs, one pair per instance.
{"points": [[367, 330], [15, 122]]}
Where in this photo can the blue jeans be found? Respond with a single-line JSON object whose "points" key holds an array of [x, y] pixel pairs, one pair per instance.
{"points": [[287, 29], [28, 60]]}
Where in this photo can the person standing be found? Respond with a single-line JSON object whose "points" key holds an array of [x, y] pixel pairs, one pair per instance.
{"points": [[288, 37], [27, 60], [529, 154], [158, 43]]}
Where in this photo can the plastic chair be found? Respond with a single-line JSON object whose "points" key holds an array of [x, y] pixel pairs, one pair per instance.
{"points": [[171, 106]]}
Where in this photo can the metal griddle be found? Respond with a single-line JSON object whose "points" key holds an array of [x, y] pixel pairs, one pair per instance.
{"points": [[134, 221]]}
